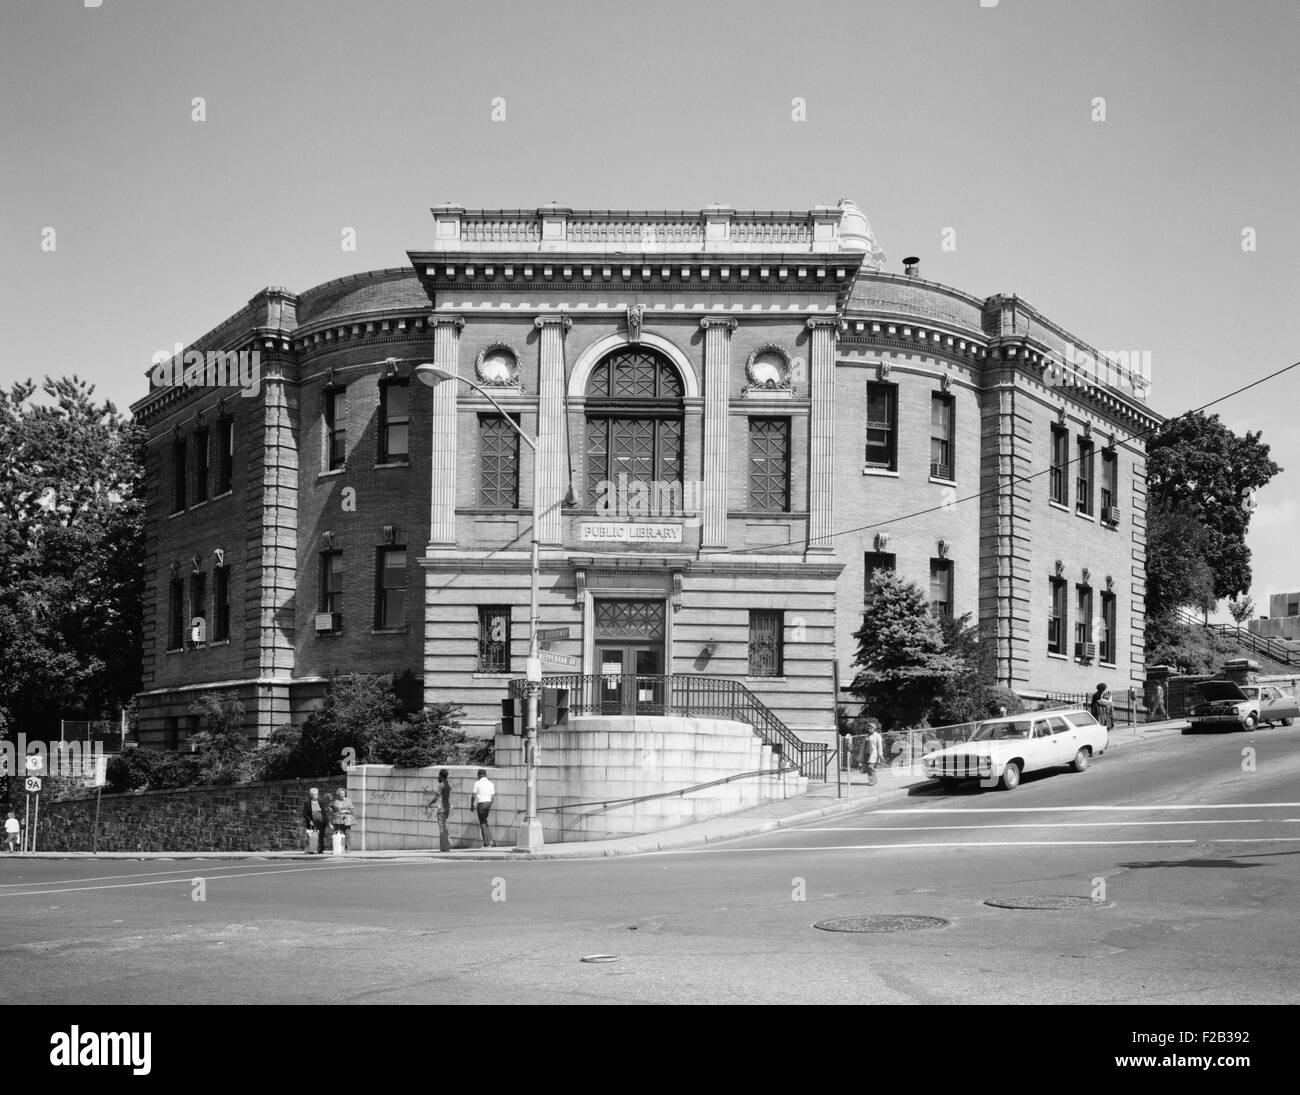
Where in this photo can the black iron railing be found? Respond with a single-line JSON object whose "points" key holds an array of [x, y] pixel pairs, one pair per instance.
{"points": [[1247, 640], [683, 694]]}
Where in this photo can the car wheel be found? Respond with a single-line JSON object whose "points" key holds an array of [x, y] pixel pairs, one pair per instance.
{"points": [[1010, 776], [1250, 721], [948, 786], [1080, 760], [1287, 722]]}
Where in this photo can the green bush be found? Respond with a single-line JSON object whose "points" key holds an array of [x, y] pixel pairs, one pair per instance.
{"points": [[431, 736]]}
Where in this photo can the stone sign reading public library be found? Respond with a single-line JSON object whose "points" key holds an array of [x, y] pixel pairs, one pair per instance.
{"points": [[739, 416]]}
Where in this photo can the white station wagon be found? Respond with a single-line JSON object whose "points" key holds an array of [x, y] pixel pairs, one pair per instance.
{"points": [[1001, 749]]}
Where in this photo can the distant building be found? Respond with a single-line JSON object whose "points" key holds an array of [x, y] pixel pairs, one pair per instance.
{"points": [[752, 413], [1283, 619]]}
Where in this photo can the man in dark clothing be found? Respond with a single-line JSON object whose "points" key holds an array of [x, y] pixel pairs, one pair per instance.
{"points": [[442, 802], [315, 817], [1102, 708]]}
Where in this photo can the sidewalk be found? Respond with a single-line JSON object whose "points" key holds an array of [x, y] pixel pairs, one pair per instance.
{"points": [[821, 801]]}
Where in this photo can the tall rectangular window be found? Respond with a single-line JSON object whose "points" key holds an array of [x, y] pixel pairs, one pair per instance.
{"points": [[766, 643], [336, 431], [494, 639], [331, 581], [176, 614], [1083, 503], [220, 604], [199, 599], [1106, 640], [180, 475], [201, 465], [395, 421], [1060, 483], [1057, 619], [1109, 486], [1083, 624], [882, 426], [225, 454], [390, 590], [941, 587], [769, 465], [943, 409], [498, 462], [875, 562]]}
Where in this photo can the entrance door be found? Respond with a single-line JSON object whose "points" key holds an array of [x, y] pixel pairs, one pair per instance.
{"points": [[629, 652], [632, 680]]}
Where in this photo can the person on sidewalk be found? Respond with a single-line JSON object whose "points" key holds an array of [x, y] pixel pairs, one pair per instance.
{"points": [[481, 800], [1158, 712], [1102, 708], [441, 801], [342, 816], [875, 747], [315, 816], [12, 830]]}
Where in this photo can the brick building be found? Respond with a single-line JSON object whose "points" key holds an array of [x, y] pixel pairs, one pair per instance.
{"points": [[737, 416]]}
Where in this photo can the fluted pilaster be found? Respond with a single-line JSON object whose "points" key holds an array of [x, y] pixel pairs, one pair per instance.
{"points": [[551, 464], [717, 391], [821, 433], [442, 502]]}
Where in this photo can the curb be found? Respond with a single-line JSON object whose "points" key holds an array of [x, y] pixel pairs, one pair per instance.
{"points": [[661, 843], [648, 845]]}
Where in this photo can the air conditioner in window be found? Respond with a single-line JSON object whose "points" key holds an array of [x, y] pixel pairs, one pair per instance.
{"points": [[329, 621], [1085, 650], [1110, 515]]}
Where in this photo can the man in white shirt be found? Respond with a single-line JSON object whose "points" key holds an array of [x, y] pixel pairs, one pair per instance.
{"points": [[481, 799], [875, 747]]}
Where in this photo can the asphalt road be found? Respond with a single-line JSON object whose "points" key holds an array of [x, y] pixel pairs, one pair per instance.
{"points": [[1189, 857]]}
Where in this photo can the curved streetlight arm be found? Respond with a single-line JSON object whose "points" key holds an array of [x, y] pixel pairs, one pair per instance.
{"points": [[439, 375]]}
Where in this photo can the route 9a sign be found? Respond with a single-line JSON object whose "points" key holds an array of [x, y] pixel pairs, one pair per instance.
{"points": [[32, 785]]}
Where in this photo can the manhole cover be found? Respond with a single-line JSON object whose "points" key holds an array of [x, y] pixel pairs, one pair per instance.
{"points": [[599, 958], [881, 923], [1047, 901]]}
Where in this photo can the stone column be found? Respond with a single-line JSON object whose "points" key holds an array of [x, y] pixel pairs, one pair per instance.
{"points": [[442, 500], [717, 397], [821, 433], [550, 460]]}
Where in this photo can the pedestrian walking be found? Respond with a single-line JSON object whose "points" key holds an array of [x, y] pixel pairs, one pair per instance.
{"points": [[342, 818], [1159, 714], [441, 802], [875, 748], [481, 800], [315, 816], [12, 831]]}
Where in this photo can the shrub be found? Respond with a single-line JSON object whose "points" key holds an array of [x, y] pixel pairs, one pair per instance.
{"points": [[432, 736]]}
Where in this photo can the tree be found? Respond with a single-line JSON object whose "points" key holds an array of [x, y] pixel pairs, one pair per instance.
{"points": [[1241, 610], [431, 736], [71, 555], [1178, 570], [903, 666], [973, 693], [339, 730], [224, 755], [1200, 471]]}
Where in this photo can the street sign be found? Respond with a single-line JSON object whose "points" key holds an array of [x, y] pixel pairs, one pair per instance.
{"points": [[560, 661], [35, 763], [548, 634], [32, 784]]}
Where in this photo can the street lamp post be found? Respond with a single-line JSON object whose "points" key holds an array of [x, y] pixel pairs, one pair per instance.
{"points": [[530, 831]]}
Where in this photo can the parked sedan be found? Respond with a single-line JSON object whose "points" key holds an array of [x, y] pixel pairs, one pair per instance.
{"points": [[1231, 706], [1001, 749]]}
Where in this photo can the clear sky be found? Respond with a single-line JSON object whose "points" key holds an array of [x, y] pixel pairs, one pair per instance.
{"points": [[930, 114]]}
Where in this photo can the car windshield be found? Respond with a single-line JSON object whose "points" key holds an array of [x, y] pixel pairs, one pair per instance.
{"points": [[1002, 731], [1251, 693]]}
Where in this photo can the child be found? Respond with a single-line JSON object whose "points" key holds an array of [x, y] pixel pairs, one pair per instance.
{"points": [[12, 829]]}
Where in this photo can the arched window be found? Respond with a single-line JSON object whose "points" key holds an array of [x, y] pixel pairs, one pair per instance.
{"points": [[634, 433]]}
